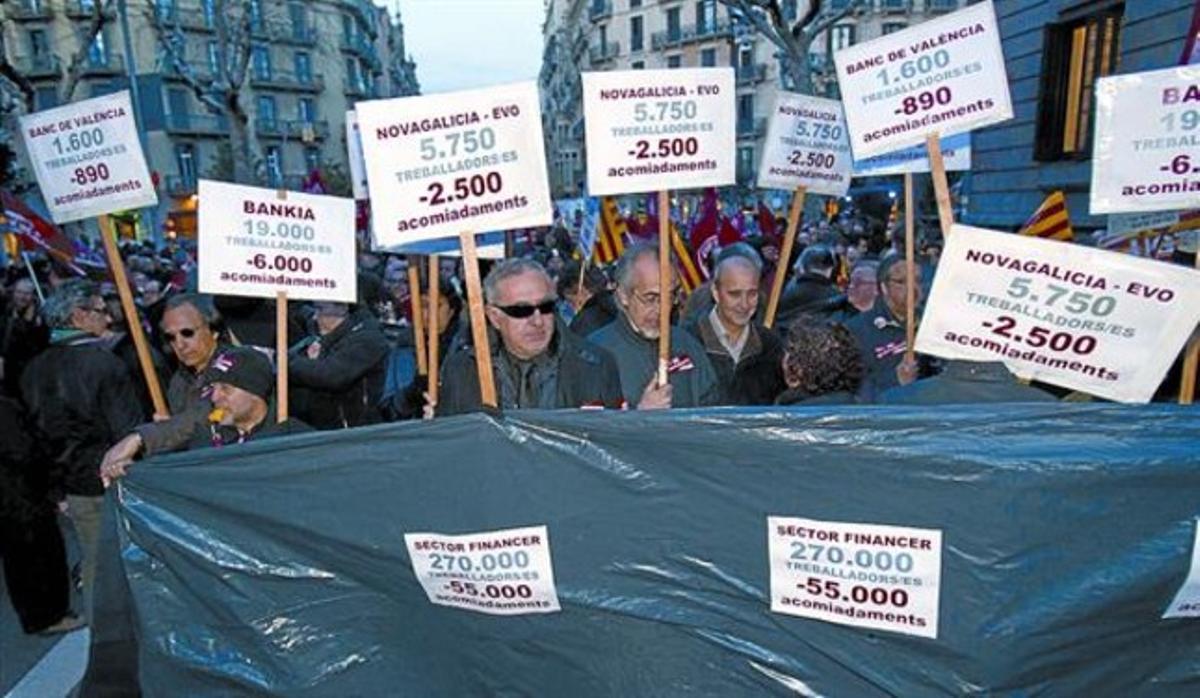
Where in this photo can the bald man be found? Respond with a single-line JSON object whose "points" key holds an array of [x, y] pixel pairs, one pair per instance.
{"points": [[747, 357]]}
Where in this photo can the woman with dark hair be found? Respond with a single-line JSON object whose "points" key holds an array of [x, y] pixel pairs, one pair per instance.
{"points": [[409, 401], [821, 364]]}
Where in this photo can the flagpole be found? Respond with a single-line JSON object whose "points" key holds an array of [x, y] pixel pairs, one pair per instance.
{"points": [[785, 255], [33, 277]]}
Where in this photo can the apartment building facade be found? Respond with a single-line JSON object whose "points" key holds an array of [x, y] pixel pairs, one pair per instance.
{"points": [[308, 63], [586, 35]]}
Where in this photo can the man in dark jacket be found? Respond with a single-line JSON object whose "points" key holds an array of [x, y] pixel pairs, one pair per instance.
{"points": [[81, 401], [812, 291], [880, 333], [23, 333], [536, 361], [191, 326], [633, 341], [747, 357], [339, 375], [242, 383], [966, 382]]}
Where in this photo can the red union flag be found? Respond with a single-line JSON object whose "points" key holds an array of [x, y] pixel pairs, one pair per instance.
{"points": [[35, 232]]}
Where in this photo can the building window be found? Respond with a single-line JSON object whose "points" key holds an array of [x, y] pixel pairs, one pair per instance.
{"points": [[299, 19], [348, 28], [638, 65], [209, 9], [256, 15], [303, 63], [746, 57], [165, 9], [312, 159], [352, 77], [98, 51], [840, 37], [634, 4], [708, 58], [745, 163], [674, 61], [214, 58], [266, 110], [706, 16], [261, 56], [893, 27], [274, 159], [1075, 54], [674, 31], [306, 109], [45, 98], [185, 160], [636, 36], [745, 112], [39, 47]]}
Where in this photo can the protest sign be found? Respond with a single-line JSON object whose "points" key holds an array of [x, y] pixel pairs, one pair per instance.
{"points": [[868, 576], [806, 146], [651, 130], [441, 164], [1147, 148], [253, 243], [1086, 319], [358, 168], [503, 573], [943, 76], [87, 158], [956, 154], [488, 246]]}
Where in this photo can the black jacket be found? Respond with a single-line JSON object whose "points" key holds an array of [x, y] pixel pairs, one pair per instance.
{"points": [[187, 398], [809, 293], [966, 382], [757, 378], [343, 385], [81, 402], [20, 341], [572, 373], [122, 346], [599, 310], [213, 436]]}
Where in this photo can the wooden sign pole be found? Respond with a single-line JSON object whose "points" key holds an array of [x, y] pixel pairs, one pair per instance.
{"points": [[941, 186], [433, 345], [108, 236], [910, 272], [281, 356], [785, 254], [418, 319], [664, 285], [1187, 388], [483, 351]]}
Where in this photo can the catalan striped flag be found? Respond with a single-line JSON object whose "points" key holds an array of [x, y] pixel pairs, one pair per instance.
{"points": [[610, 242], [689, 274], [1050, 220]]}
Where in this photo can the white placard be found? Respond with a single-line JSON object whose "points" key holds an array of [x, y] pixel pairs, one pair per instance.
{"points": [[358, 168], [87, 158], [253, 243], [503, 573], [444, 163], [487, 246], [956, 156], [806, 146], [1147, 149], [1100, 322], [652, 130], [943, 76], [1186, 603], [865, 575]]}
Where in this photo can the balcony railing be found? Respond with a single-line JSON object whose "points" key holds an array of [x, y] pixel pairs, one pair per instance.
{"points": [[362, 46], [604, 52], [303, 130], [941, 5], [751, 128], [285, 80], [79, 9], [43, 66], [599, 9], [30, 10], [197, 124], [690, 34], [112, 64], [895, 5], [750, 74], [365, 12]]}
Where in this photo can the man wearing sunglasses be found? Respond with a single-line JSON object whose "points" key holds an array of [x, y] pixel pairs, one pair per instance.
{"points": [[536, 361], [632, 339], [190, 327]]}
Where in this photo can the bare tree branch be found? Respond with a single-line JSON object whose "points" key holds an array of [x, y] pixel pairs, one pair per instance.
{"points": [[75, 67], [15, 80]]}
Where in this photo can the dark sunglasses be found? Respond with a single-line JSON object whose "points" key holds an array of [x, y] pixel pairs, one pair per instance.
{"points": [[186, 333], [524, 310]]}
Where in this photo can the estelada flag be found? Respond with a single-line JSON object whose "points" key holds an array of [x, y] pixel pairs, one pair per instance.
{"points": [[610, 242], [37, 233], [1050, 220]]}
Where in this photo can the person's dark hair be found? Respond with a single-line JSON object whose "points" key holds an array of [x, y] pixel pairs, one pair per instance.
{"points": [[818, 258], [203, 303], [821, 358], [885, 267], [72, 294]]}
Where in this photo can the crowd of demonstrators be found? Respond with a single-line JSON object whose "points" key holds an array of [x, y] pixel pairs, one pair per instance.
{"points": [[562, 334]]}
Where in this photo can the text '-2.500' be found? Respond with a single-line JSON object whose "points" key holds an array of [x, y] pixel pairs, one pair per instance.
{"points": [[472, 187]]}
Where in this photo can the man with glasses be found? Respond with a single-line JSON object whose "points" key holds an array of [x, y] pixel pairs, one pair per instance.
{"points": [[881, 334], [632, 339], [536, 361], [191, 328], [81, 400]]}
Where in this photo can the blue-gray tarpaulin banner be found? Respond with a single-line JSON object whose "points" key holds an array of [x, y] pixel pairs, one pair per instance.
{"points": [[1037, 550]]}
